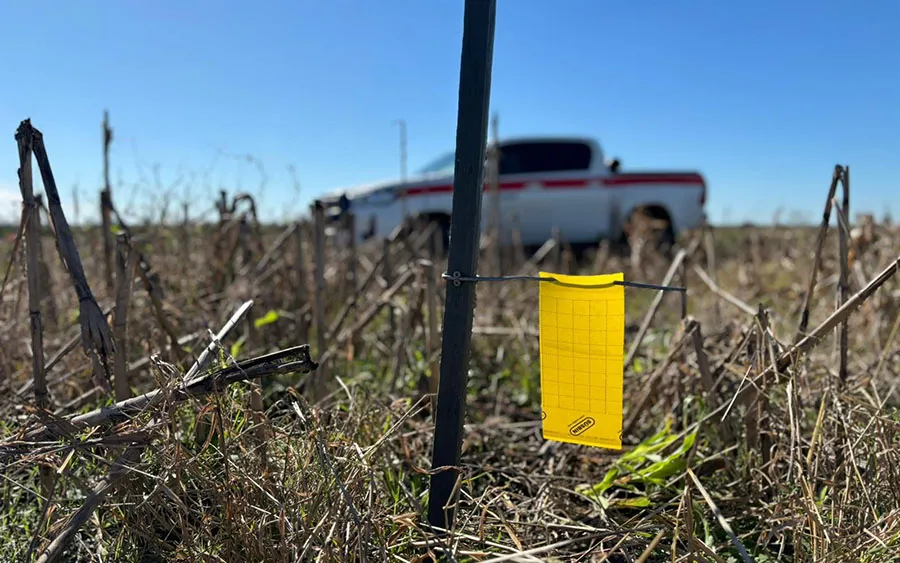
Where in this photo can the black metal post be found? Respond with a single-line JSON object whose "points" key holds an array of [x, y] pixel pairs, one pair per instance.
{"points": [[465, 226]]}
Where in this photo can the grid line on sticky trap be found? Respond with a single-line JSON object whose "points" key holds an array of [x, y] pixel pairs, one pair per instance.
{"points": [[582, 352]]}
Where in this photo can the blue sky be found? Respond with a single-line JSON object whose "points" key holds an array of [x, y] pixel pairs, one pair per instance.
{"points": [[763, 98]]}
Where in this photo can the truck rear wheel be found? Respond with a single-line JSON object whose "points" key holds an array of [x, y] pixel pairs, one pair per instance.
{"points": [[652, 221]]}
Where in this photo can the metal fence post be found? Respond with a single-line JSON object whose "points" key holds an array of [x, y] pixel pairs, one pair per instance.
{"points": [[465, 225]]}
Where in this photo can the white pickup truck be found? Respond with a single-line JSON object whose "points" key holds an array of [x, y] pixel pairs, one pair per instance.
{"points": [[544, 183]]}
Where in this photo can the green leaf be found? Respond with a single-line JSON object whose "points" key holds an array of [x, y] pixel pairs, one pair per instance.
{"points": [[672, 465], [236, 347], [650, 464], [269, 318], [637, 502], [606, 483]]}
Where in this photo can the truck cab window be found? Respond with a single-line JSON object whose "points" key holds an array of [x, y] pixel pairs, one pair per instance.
{"points": [[546, 156]]}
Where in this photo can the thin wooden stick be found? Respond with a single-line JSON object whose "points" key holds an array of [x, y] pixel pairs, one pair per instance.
{"points": [[352, 258], [754, 418], [709, 238], [388, 275], [518, 247], [557, 250], [186, 241], [203, 360], [431, 343], [106, 208], [47, 291], [321, 328], [817, 257], [256, 401], [844, 283], [645, 556], [353, 272], [711, 284], [721, 519], [302, 283], [126, 263], [32, 227], [706, 378]]}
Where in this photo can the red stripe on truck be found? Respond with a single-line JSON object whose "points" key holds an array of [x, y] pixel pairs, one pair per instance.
{"points": [[448, 188], [618, 181], [565, 184], [418, 190]]}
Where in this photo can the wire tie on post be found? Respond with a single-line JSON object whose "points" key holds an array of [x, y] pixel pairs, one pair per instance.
{"points": [[457, 278]]}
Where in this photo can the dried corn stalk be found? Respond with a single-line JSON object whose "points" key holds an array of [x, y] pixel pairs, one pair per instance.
{"points": [[95, 333]]}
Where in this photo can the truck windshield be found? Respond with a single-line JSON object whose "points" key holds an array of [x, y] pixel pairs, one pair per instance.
{"points": [[443, 164]]}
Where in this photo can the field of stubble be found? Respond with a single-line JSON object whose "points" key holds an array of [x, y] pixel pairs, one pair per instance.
{"points": [[736, 445]]}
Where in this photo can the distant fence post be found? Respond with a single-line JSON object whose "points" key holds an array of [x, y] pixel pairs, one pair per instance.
{"points": [[319, 376], [106, 208], [465, 224]]}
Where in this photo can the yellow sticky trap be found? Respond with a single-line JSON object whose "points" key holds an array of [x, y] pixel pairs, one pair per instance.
{"points": [[582, 340]]}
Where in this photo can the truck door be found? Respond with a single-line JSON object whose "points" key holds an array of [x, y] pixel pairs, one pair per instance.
{"points": [[554, 189]]}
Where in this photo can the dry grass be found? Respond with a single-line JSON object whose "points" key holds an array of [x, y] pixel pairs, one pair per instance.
{"points": [[719, 464]]}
